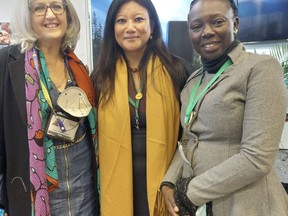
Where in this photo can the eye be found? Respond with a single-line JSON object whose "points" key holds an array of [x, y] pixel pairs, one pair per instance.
{"points": [[218, 22], [196, 27], [39, 8], [139, 19], [120, 20], [57, 6]]}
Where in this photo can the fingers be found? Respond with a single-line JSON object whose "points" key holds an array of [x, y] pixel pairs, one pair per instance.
{"points": [[176, 209], [168, 195], [173, 203]]}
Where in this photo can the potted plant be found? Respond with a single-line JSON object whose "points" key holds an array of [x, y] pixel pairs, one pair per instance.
{"points": [[280, 52]]}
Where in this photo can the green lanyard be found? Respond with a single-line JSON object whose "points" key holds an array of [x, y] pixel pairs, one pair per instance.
{"points": [[135, 104], [193, 101]]}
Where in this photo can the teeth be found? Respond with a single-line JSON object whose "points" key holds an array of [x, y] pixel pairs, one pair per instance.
{"points": [[53, 25], [209, 45]]}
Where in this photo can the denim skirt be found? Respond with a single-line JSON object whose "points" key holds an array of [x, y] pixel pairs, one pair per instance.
{"points": [[75, 194]]}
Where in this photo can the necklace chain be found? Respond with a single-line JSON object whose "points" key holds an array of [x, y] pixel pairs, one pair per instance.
{"points": [[66, 77]]}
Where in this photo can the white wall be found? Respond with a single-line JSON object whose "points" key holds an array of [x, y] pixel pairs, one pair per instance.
{"points": [[84, 47], [5, 11]]}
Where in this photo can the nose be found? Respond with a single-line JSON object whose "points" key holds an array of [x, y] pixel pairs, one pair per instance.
{"points": [[49, 12], [130, 26], [207, 31]]}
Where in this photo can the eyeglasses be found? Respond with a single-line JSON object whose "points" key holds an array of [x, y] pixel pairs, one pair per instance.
{"points": [[41, 8]]}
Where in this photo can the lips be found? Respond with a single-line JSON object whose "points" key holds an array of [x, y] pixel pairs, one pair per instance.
{"points": [[209, 45], [51, 25], [130, 37]]}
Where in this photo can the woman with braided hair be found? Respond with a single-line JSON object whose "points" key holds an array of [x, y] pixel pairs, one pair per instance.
{"points": [[233, 112]]}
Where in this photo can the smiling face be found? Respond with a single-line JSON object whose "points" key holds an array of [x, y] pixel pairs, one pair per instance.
{"points": [[132, 28], [211, 26], [50, 27]]}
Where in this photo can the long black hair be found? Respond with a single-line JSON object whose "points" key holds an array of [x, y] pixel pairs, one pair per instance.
{"points": [[103, 75]]}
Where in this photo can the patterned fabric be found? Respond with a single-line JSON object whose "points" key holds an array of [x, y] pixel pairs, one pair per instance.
{"points": [[39, 192], [43, 172], [51, 170]]}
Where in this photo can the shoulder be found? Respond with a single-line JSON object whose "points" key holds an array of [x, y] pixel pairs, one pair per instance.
{"points": [[12, 50], [182, 65], [252, 63], [4, 51], [193, 75], [261, 63], [240, 56]]}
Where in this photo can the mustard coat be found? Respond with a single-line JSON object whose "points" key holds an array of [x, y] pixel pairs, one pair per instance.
{"points": [[115, 149]]}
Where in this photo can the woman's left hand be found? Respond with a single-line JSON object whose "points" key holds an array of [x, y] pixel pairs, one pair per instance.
{"points": [[168, 194]]}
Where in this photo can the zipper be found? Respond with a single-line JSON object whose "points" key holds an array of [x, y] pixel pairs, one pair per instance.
{"points": [[67, 182]]}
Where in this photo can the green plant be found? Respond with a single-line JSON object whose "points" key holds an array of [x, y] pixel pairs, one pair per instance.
{"points": [[280, 52]]}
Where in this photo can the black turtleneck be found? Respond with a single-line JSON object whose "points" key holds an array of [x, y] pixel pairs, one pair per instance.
{"points": [[214, 66]]}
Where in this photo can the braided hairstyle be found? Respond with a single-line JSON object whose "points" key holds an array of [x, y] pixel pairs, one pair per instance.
{"points": [[230, 2]]}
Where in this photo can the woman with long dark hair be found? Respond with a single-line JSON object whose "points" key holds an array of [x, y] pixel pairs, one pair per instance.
{"points": [[137, 84]]}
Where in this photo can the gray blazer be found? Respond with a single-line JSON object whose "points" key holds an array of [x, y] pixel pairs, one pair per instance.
{"points": [[234, 138]]}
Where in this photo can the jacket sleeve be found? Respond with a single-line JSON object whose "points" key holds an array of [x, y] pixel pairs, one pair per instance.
{"points": [[3, 65], [175, 169]]}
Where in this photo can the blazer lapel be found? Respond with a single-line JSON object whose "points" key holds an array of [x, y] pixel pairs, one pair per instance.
{"points": [[17, 76]]}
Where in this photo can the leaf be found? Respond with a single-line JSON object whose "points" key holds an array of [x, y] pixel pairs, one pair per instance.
{"points": [[280, 52]]}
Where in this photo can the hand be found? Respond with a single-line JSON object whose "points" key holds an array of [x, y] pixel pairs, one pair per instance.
{"points": [[168, 194], [186, 207]]}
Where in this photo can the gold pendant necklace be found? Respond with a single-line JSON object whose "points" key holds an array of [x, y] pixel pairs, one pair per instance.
{"points": [[139, 95]]}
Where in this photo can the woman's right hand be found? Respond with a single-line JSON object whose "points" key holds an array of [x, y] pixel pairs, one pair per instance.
{"points": [[168, 194]]}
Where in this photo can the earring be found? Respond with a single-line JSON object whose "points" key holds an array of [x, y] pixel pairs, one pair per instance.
{"points": [[150, 37], [235, 31]]}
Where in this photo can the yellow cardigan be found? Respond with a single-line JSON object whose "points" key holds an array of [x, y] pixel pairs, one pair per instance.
{"points": [[115, 150]]}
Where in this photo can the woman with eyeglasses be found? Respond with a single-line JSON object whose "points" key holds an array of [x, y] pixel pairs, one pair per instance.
{"points": [[47, 124]]}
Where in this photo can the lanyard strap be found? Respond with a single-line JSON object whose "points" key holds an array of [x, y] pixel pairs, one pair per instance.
{"points": [[194, 100], [135, 104], [45, 91]]}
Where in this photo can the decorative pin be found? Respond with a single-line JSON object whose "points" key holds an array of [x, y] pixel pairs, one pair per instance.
{"points": [[134, 70], [138, 96]]}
